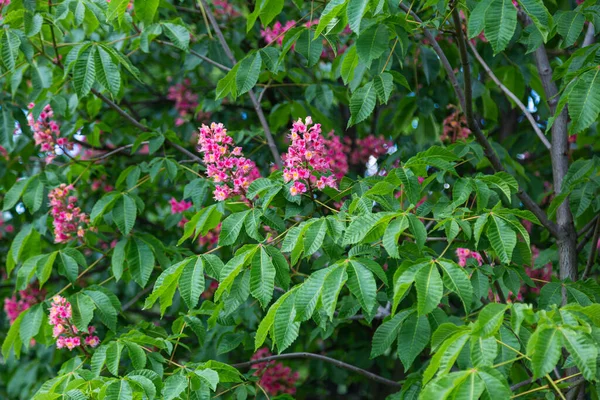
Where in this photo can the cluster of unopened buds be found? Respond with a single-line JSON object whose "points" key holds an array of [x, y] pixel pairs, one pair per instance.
{"points": [[64, 331], [455, 126], [46, 132], [275, 378], [15, 305], [307, 160], [69, 220], [464, 254], [225, 163]]}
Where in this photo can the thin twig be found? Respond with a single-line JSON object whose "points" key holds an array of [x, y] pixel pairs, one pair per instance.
{"points": [[253, 99], [587, 226], [592, 256], [200, 56], [320, 357], [510, 94]]}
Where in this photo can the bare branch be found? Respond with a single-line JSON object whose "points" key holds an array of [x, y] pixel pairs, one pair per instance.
{"points": [[510, 94], [200, 56], [320, 357], [253, 99], [592, 256]]}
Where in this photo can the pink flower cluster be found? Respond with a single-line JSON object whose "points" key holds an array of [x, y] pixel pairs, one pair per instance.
{"points": [[275, 378], [225, 163], [4, 3], [15, 305], [306, 155], [69, 220], [179, 207], [464, 254], [212, 288], [224, 10], [337, 154], [100, 184], [5, 228], [277, 32], [64, 331], [185, 101], [369, 146], [3, 151], [455, 126], [46, 133]]}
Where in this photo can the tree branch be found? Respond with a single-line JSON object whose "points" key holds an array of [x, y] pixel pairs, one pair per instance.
{"points": [[510, 94], [592, 256], [320, 357], [200, 56], [253, 99]]}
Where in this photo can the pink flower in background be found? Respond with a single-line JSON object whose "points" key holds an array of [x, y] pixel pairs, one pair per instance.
{"points": [[223, 9], [464, 254], [307, 160], [275, 378], [100, 184], [15, 305], [337, 154], [186, 103], [64, 331], [455, 126], [5, 228], [225, 163], [212, 288], [369, 146], [69, 221], [179, 206], [46, 133], [211, 238], [271, 34]]}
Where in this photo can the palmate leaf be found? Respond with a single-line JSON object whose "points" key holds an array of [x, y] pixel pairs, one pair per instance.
{"points": [[429, 288], [403, 280], [83, 310], [387, 333], [544, 349], [178, 34], [583, 350], [500, 24], [495, 385]]}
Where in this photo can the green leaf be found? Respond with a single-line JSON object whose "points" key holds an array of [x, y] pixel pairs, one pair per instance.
{"points": [[584, 101], [84, 73], [230, 271], [113, 357], [174, 386], [446, 355], [457, 280], [502, 238], [539, 14], [14, 194], [248, 73], [231, 227], [107, 72], [355, 11], [124, 214], [102, 206], [483, 351], [83, 311], [349, 64], [489, 320], [285, 327], [314, 236], [69, 265], [119, 390], [44, 267], [191, 283], [31, 323], [362, 104], [10, 49], [495, 385], [262, 277], [209, 376], [309, 48], [580, 346], [362, 285], [145, 10], [136, 354], [309, 293], [413, 338], [332, 286], [33, 23], [140, 260], [267, 322], [418, 230], [430, 289], [270, 56], [178, 34], [392, 234], [569, 26], [331, 11], [165, 286], [227, 84], [13, 339], [478, 228], [197, 326], [373, 43], [34, 195], [384, 83], [403, 280], [360, 227], [544, 349], [104, 308], [118, 259], [500, 24], [387, 333]]}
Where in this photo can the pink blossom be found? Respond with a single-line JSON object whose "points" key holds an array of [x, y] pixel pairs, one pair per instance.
{"points": [[455, 126], [277, 32], [179, 206], [275, 378], [225, 163], [211, 238], [92, 341], [464, 254], [46, 133], [307, 160], [212, 288], [371, 145], [224, 10], [64, 330], [337, 154], [69, 221], [15, 305], [186, 103]]}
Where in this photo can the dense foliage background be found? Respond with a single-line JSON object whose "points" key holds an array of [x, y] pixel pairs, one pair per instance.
{"points": [[417, 182]]}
